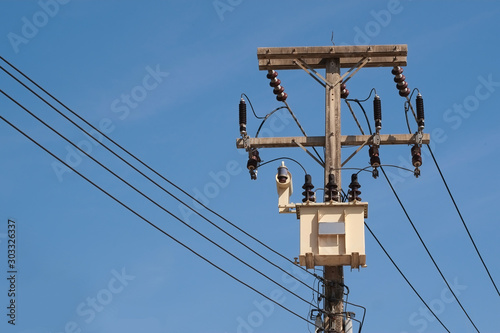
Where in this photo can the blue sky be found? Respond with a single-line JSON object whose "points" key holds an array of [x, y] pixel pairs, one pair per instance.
{"points": [[186, 63]]}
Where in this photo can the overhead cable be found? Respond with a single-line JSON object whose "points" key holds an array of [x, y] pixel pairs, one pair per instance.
{"points": [[151, 223], [153, 201], [427, 250], [405, 278], [462, 219], [134, 157]]}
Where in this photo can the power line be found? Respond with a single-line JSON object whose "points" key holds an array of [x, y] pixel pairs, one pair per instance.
{"points": [[283, 158], [408, 102], [462, 219], [151, 223], [154, 202], [133, 156], [251, 106], [381, 167], [404, 277], [427, 250], [364, 112], [155, 183], [267, 117]]}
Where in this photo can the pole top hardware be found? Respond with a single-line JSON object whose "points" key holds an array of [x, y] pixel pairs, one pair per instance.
{"points": [[275, 58]]}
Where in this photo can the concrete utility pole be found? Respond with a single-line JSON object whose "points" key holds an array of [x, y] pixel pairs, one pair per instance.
{"points": [[332, 59], [334, 293]]}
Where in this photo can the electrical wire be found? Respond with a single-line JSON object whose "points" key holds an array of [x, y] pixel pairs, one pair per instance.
{"points": [[405, 278], [427, 250], [364, 100], [407, 108], [149, 222], [283, 158], [354, 116], [385, 165], [379, 243], [251, 106], [162, 188], [154, 202], [131, 155], [455, 204], [366, 116], [266, 117], [165, 180], [462, 219], [313, 299]]}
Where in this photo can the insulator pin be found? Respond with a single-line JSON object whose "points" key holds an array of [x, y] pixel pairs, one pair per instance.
{"points": [[420, 112], [405, 92], [278, 90], [354, 192], [397, 70], [344, 92], [308, 192], [274, 83], [331, 189], [282, 97], [377, 112], [374, 156], [243, 116], [416, 156], [271, 74], [400, 79], [402, 85], [253, 163]]}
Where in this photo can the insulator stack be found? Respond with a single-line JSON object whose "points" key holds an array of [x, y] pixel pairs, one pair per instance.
{"points": [[377, 112], [331, 192], [416, 156], [374, 156], [354, 192], [401, 84], [243, 117], [374, 160], [308, 192], [420, 112], [253, 163], [344, 92], [278, 90]]}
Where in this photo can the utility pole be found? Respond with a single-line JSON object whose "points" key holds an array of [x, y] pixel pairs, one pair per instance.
{"points": [[332, 232], [334, 292]]}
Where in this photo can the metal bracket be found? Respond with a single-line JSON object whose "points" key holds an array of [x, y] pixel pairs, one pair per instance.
{"points": [[309, 153], [358, 66], [419, 137], [246, 143], [357, 150], [302, 64]]}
